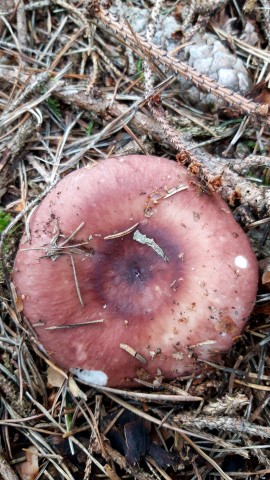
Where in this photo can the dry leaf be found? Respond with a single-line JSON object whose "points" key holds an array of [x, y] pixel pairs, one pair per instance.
{"points": [[75, 390], [29, 469], [19, 303], [54, 377]]}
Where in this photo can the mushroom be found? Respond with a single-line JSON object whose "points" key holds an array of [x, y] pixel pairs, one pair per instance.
{"points": [[131, 271]]}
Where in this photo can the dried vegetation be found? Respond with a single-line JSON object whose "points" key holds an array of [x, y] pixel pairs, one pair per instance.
{"points": [[77, 85]]}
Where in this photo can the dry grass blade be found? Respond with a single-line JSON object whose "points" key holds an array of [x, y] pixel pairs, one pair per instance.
{"points": [[8, 118], [159, 397]]}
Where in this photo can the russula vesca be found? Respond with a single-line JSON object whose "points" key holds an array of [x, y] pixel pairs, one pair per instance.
{"points": [[131, 271]]}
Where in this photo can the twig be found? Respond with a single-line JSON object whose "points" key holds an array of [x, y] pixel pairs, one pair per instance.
{"points": [[200, 80], [147, 396], [121, 234], [227, 424], [76, 280], [73, 325], [6, 471]]}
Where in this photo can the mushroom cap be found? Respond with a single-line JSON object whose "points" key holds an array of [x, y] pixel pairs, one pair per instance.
{"points": [[155, 276]]}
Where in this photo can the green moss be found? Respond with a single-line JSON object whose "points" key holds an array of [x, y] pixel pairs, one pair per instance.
{"points": [[54, 105], [211, 105], [4, 220], [251, 144], [89, 128], [139, 66], [139, 69]]}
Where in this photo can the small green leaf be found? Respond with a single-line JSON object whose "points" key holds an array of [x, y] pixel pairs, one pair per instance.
{"points": [[89, 128], [139, 68]]}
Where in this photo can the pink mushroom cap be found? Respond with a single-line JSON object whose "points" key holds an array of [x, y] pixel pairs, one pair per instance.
{"points": [[132, 272]]}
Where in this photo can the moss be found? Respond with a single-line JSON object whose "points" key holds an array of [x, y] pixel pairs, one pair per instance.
{"points": [[89, 128], [54, 105], [4, 220]]}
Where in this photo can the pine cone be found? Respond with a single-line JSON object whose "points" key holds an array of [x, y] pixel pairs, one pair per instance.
{"points": [[210, 56], [139, 18], [206, 54]]}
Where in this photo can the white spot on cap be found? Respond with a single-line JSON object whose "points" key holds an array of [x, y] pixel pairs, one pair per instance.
{"points": [[240, 261], [95, 377]]}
